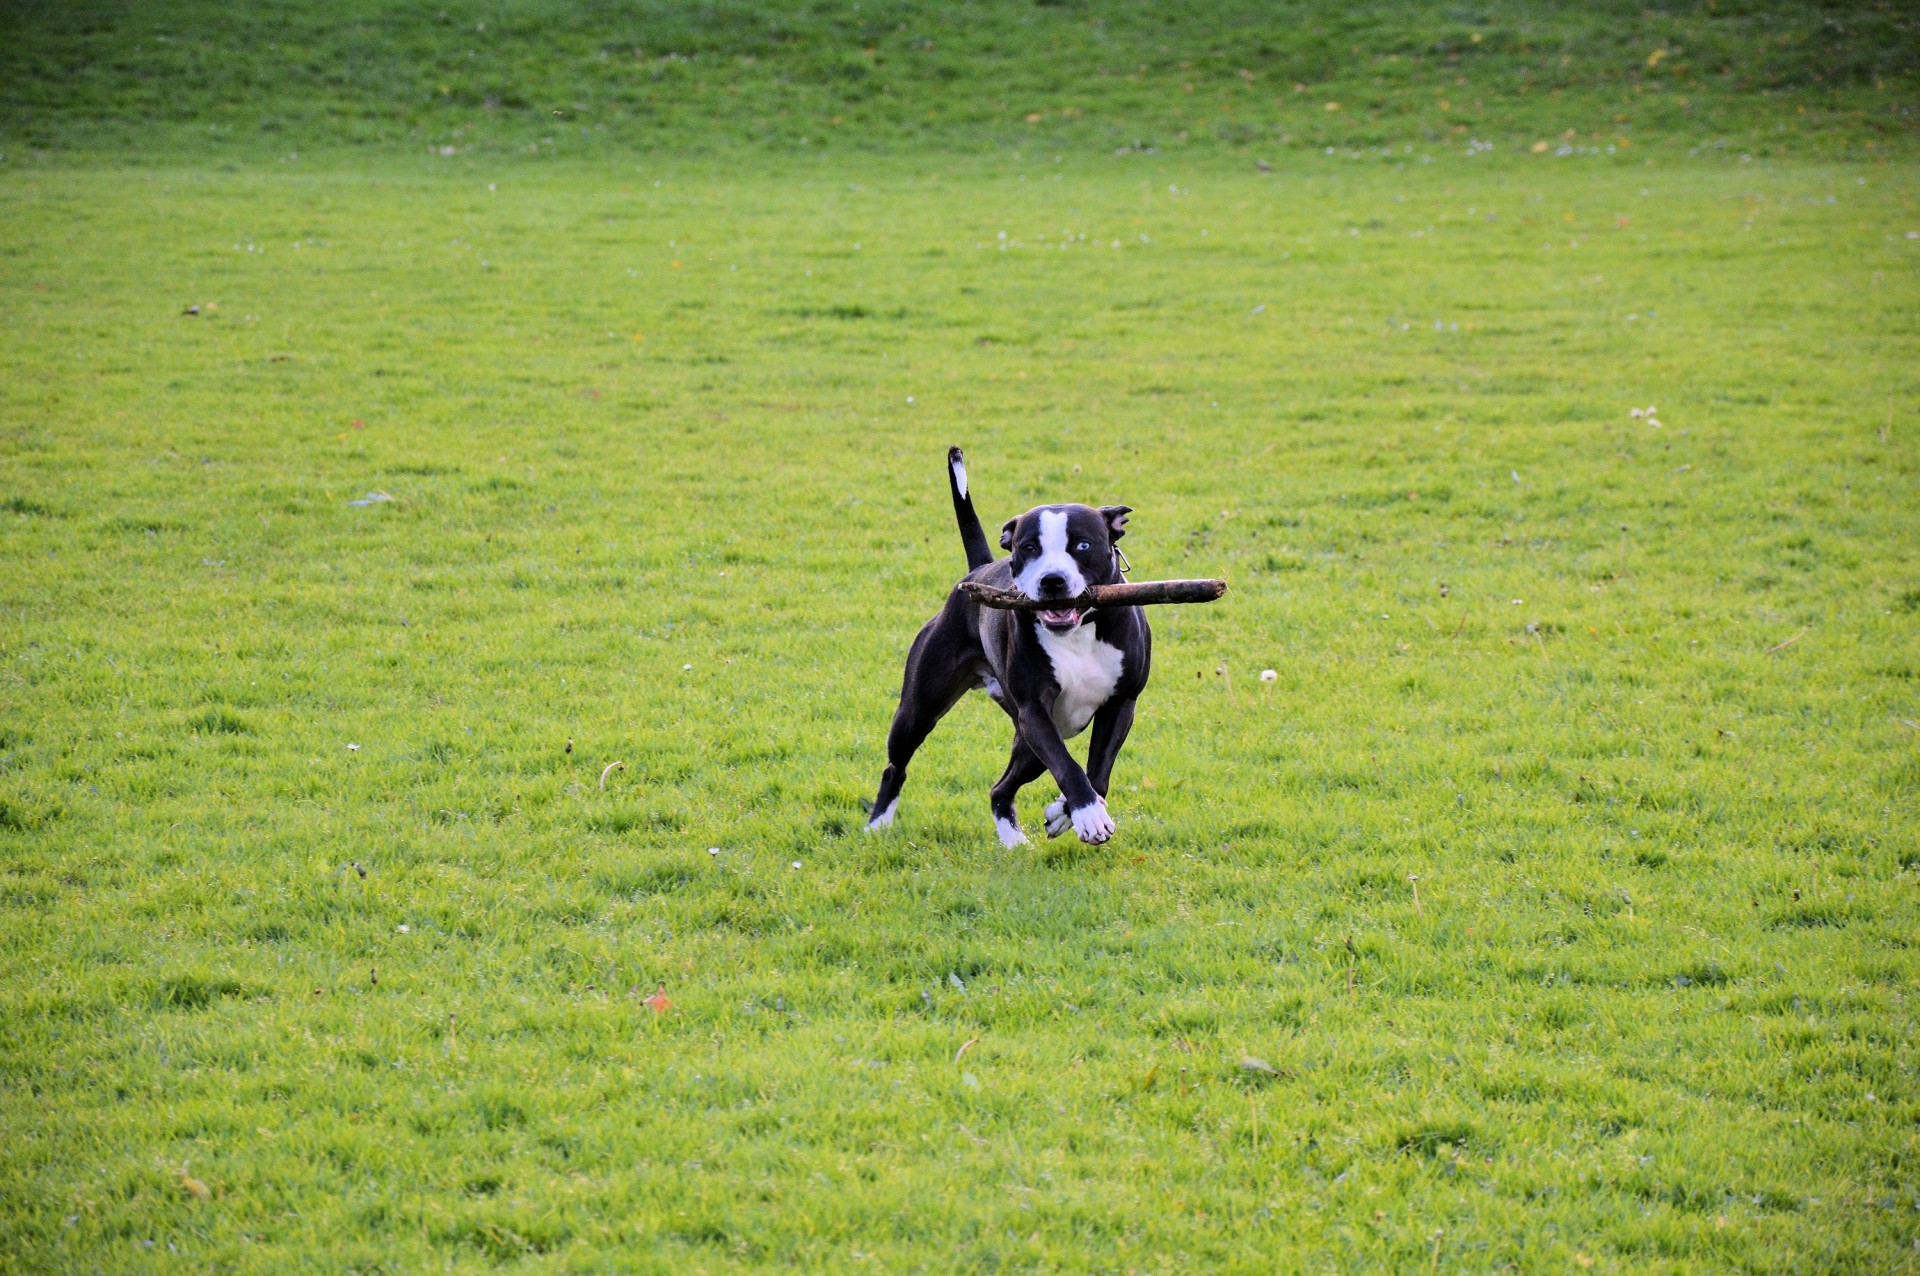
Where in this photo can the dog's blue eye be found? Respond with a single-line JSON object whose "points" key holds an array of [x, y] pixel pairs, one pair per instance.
{"points": [[1082, 547]]}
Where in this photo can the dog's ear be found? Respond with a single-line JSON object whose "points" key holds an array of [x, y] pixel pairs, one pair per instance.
{"points": [[1116, 516], [1006, 533]]}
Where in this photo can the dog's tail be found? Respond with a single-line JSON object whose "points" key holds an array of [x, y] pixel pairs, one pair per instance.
{"points": [[972, 537]]}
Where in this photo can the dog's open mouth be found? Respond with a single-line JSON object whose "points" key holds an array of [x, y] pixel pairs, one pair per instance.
{"points": [[1063, 618]]}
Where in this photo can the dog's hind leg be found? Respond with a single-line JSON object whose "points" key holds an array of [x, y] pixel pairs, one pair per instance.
{"points": [[911, 726], [933, 684], [1022, 769]]}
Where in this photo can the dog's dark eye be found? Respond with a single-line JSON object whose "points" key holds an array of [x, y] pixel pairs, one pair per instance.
{"points": [[1082, 548]]}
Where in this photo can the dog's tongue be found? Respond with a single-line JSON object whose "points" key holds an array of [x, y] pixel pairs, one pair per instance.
{"points": [[1065, 616]]}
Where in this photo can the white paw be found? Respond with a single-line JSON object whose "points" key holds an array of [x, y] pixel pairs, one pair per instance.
{"points": [[1093, 824], [1058, 821], [1010, 834], [883, 819]]}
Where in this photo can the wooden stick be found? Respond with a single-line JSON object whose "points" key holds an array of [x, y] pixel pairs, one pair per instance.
{"points": [[1144, 594], [1788, 643]]}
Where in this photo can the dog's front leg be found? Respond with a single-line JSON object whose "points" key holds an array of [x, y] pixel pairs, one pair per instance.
{"points": [[1085, 807], [1110, 726]]}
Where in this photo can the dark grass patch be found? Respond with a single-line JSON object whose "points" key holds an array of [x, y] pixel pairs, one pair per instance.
{"points": [[21, 814], [497, 1109], [194, 990], [617, 822], [1706, 974], [509, 1239], [26, 893], [552, 79], [1811, 915], [848, 312], [1429, 1138], [131, 524], [219, 720]]}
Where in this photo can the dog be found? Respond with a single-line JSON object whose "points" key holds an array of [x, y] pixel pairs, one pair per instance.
{"points": [[1055, 672]]}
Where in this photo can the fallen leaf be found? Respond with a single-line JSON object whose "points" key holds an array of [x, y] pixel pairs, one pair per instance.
{"points": [[194, 1187], [1253, 1063], [658, 1003]]}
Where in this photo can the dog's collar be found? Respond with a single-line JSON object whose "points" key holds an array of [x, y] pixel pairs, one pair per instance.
{"points": [[1120, 556]]}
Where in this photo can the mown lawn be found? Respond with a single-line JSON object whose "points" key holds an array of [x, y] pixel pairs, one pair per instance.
{"points": [[207, 78], [324, 947]]}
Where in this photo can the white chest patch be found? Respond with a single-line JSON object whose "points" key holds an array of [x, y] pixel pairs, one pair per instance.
{"points": [[1087, 671]]}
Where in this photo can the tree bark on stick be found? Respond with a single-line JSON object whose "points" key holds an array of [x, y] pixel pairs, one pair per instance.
{"points": [[1145, 594]]}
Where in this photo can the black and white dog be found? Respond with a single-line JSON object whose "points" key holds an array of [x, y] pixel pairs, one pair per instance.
{"points": [[1052, 671]]}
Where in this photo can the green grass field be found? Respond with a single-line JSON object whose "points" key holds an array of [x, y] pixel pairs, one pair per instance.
{"points": [[1561, 882]]}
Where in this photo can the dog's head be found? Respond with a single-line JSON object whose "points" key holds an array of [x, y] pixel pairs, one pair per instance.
{"points": [[1059, 550]]}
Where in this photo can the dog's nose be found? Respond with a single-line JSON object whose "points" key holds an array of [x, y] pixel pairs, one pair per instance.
{"points": [[1053, 583]]}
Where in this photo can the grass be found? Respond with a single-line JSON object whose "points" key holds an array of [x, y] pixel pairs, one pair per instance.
{"points": [[290, 77], [1552, 906]]}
